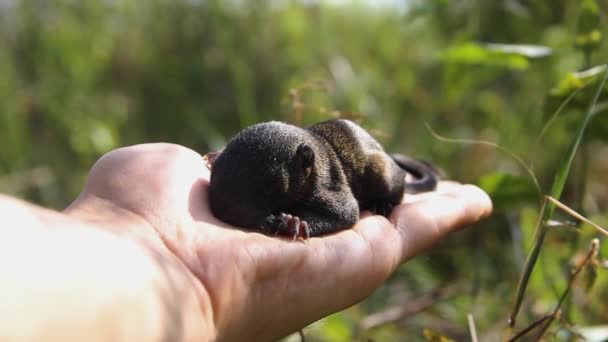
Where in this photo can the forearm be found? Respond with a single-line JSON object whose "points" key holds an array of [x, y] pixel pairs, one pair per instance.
{"points": [[62, 279]]}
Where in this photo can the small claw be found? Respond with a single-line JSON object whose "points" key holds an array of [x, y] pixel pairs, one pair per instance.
{"points": [[285, 219], [282, 224], [294, 226], [291, 225], [305, 230]]}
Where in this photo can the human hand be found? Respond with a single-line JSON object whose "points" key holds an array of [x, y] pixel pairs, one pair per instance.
{"points": [[251, 286]]}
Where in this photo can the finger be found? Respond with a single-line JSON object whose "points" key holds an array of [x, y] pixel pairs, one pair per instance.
{"points": [[423, 221]]}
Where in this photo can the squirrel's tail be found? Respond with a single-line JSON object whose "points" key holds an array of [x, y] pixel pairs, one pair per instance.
{"points": [[424, 173]]}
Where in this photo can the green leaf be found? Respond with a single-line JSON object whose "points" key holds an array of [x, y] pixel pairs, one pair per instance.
{"points": [[507, 190], [473, 53], [336, 328], [576, 80], [526, 50]]}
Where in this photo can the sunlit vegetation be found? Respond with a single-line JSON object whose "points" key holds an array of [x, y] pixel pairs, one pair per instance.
{"points": [[496, 93]]}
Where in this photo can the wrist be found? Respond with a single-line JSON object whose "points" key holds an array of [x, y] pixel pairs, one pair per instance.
{"points": [[72, 277], [185, 306], [105, 214]]}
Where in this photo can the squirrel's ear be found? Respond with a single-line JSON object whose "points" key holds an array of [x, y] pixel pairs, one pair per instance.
{"points": [[305, 158]]}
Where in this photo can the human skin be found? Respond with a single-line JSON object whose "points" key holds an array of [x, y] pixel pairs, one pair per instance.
{"points": [[161, 261]]}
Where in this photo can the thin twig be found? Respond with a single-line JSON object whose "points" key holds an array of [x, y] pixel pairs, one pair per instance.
{"points": [[472, 327], [576, 215], [412, 307], [491, 144], [593, 249], [529, 328], [555, 115], [295, 97]]}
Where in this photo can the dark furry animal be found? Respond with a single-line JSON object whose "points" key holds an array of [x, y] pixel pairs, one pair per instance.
{"points": [[285, 180]]}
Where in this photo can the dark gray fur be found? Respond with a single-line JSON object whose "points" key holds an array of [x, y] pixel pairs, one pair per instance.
{"points": [[323, 175]]}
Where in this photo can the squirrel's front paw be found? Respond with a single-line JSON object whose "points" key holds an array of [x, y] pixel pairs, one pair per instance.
{"points": [[287, 225]]}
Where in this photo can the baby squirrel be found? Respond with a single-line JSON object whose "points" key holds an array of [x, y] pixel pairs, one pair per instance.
{"points": [[280, 179]]}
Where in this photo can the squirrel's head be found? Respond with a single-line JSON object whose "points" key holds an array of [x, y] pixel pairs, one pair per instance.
{"points": [[264, 169]]}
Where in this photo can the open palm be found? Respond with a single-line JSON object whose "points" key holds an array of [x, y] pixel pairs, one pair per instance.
{"points": [[252, 286]]}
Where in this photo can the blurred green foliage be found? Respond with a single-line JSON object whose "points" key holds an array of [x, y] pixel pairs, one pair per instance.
{"points": [[79, 78]]}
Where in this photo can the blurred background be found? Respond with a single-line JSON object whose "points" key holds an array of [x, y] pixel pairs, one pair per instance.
{"points": [[80, 78]]}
